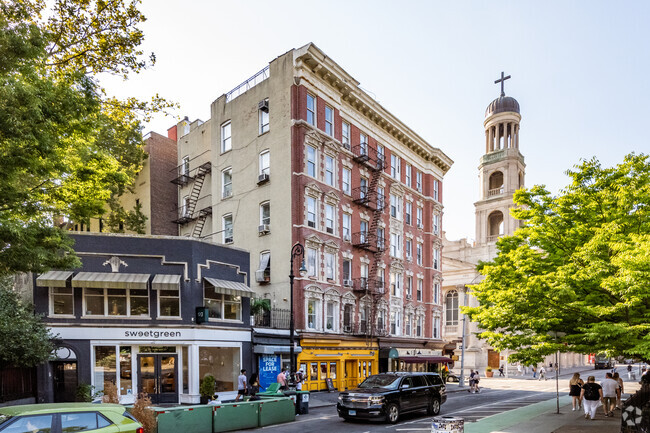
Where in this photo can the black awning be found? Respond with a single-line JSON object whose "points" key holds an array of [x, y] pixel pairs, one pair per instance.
{"points": [[426, 359]]}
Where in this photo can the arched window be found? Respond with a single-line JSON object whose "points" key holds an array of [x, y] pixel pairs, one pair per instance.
{"points": [[495, 184], [451, 308], [521, 180], [495, 225]]}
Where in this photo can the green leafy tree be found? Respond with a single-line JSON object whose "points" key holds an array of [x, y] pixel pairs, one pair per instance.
{"points": [[575, 277], [24, 338], [66, 147]]}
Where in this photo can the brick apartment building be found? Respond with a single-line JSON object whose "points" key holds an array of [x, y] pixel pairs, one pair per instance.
{"points": [[299, 153]]}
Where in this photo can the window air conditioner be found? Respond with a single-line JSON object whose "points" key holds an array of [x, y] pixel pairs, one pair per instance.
{"points": [[347, 328], [264, 177], [420, 226], [262, 276], [264, 229], [347, 283], [409, 258], [264, 105], [346, 238]]}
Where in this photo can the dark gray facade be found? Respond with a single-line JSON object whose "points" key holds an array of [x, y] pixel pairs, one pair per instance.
{"points": [[129, 316]]}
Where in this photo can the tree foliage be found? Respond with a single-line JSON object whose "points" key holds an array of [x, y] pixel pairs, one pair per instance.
{"points": [[579, 266], [24, 338], [66, 147]]}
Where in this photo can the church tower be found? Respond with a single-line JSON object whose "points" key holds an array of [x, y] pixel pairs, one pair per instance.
{"points": [[501, 169]]}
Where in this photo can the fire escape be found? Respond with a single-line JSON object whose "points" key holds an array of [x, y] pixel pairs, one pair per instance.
{"points": [[371, 237], [187, 211]]}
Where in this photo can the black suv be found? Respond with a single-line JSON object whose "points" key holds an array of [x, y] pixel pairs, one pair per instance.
{"points": [[387, 395]]}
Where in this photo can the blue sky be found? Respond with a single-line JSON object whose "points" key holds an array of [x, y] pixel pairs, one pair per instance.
{"points": [[580, 71]]}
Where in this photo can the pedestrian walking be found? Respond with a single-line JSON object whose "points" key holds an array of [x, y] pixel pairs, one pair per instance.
{"points": [[477, 379], [609, 386], [519, 370], [620, 390], [242, 386], [282, 380], [471, 381], [501, 371], [542, 373], [254, 387], [629, 371], [591, 395], [534, 372], [575, 389], [300, 378]]}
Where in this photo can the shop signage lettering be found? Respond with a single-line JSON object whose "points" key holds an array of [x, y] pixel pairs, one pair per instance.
{"points": [[153, 334], [269, 368]]}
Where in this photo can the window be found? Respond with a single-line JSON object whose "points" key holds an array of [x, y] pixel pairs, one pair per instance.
{"points": [[436, 258], [418, 181], [380, 238], [418, 329], [436, 187], [436, 327], [227, 229], [345, 135], [312, 310], [407, 325], [221, 306], [226, 183], [419, 291], [418, 218], [395, 325], [329, 318], [311, 211], [312, 261], [77, 422], [347, 180], [226, 139], [116, 302], [380, 197], [381, 320], [436, 293], [31, 423], [347, 269], [396, 206], [436, 222], [381, 279], [380, 156], [363, 226], [311, 161], [408, 249], [169, 303], [396, 245], [311, 109], [329, 266], [363, 270], [451, 308], [409, 287], [363, 144], [363, 314], [347, 318], [418, 254], [347, 225], [363, 187], [329, 121], [263, 273], [329, 170], [408, 210], [185, 207], [264, 116], [265, 213], [395, 167], [265, 162], [185, 166], [329, 218], [395, 284], [407, 175], [61, 301]]}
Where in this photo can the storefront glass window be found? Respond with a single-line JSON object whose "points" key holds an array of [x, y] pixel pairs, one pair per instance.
{"points": [[126, 381], [186, 371], [169, 303], [105, 368], [323, 370], [157, 349], [62, 300], [222, 363], [333, 370]]}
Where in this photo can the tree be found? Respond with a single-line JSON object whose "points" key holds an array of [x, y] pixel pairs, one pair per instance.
{"points": [[580, 265], [67, 147], [24, 339]]}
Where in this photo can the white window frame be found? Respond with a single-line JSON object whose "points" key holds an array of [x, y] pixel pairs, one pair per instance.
{"points": [[418, 330], [223, 303], [363, 144], [333, 305], [330, 218], [185, 207], [330, 179], [52, 293], [347, 263], [408, 213], [265, 162], [346, 181], [314, 324], [312, 166], [396, 206], [436, 224], [329, 120], [347, 226], [226, 186], [105, 296], [330, 266], [395, 166], [345, 134], [436, 259], [265, 220], [407, 175], [436, 293], [264, 117], [408, 249], [420, 287], [418, 181], [396, 245], [419, 253], [436, 190], [311, 110], [225, 238], [451, 308], [166, 296], [185, 165], [312, 216], [226, 137], [312, 262], [419, 220], [408, 286]]}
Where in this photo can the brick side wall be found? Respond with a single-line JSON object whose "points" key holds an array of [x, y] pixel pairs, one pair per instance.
{"points": [[164, 195]]}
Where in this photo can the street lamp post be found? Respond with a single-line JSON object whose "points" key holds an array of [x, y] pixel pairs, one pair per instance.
{"points": [[297, 251]]}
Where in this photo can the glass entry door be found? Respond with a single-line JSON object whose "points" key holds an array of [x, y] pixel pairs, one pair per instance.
{"points": [[158, 377]]}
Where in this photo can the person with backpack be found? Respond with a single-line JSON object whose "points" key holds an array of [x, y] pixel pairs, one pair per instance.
{"points": [[591, 396], [542, 373]]}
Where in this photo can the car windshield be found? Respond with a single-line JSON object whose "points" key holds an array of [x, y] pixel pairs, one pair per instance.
{"points": [[380, 381]]}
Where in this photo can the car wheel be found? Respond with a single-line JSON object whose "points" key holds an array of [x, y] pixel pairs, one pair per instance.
{"points": [[434, 407], [392, 413]]}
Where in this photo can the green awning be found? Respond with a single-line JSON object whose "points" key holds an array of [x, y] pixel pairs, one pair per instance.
{"points": [[53, 279], [230, 287], [110, 280], [166, 282]]}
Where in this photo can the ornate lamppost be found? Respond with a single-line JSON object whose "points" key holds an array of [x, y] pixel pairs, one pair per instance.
{"points": [[297, 251]]}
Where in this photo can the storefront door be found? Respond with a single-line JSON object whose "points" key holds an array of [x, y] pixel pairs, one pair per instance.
{"points": [[158, 377]]}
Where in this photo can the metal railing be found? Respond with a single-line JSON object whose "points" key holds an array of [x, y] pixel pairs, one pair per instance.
{"points": [[277, 318], [495, 191], [248, 84]]}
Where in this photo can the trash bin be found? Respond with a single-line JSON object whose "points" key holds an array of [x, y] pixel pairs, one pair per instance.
{"points": [[293, 396], [447, 424], [302, 404]]}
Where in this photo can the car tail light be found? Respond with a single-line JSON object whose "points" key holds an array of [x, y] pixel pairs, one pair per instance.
{"points": [[139, 430]]}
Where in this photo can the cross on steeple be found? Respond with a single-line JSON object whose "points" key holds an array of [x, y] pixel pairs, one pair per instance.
{"points": [[502, 80]]}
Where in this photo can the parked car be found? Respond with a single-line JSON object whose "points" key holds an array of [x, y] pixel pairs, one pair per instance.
{"points": [[388, 395], [451, 377], [67, 418]]}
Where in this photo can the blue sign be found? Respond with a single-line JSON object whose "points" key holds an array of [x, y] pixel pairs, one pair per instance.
{"points": [[270, 367]]}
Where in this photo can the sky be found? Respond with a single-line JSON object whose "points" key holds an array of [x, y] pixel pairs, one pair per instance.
{"points": [[580, 71]]}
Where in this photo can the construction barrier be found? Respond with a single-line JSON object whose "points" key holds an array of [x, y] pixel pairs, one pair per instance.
{"points": [[188, 419], [235, 416]]}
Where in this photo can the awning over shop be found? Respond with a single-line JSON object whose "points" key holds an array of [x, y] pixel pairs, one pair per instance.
{"points": [[230, 287], [271, 350], [112, 280], [166, 282], [390, 353], [424, 359], [53, 278]]}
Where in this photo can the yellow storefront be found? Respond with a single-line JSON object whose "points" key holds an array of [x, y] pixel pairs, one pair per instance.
{"points": [[346, 362]]}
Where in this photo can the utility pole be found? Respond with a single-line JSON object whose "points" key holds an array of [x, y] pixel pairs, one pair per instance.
{"points": [[461, 379]]}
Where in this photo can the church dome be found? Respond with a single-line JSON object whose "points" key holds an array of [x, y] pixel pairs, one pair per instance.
{"points": [[502, 104]]}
